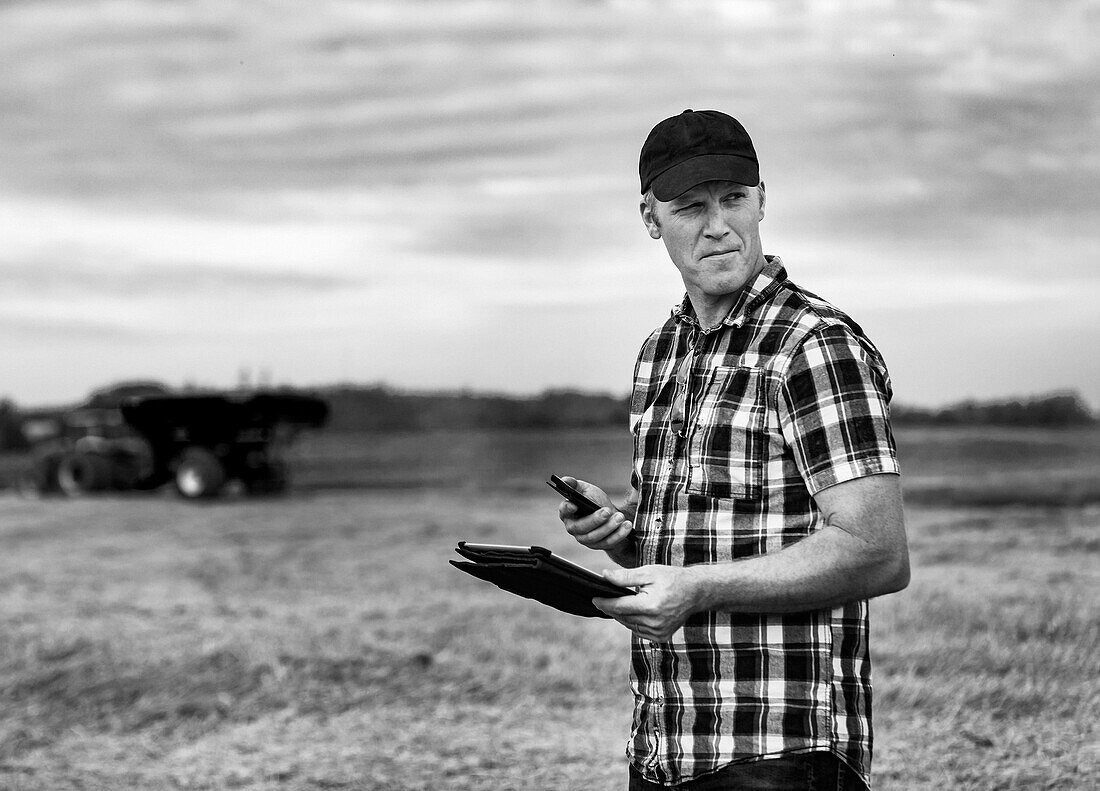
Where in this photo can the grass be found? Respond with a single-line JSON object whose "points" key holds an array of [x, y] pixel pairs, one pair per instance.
{"points": [[321, 641], [987, 666]]}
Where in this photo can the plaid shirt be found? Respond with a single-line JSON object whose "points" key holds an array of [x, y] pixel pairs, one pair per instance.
{"points": [[784, 398]]}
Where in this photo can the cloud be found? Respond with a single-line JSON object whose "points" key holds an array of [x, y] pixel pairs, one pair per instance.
{"points": [[213, 168], [33, 228], [49, 331], [79, 275]]}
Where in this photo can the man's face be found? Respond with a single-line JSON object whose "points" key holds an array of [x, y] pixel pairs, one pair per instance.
{"points": [[712, 234]]}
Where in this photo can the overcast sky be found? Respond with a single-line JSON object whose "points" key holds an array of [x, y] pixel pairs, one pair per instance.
{"points": [[444, 194]]}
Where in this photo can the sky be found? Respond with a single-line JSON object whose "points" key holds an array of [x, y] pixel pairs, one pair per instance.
{"points": [[444, 195]]}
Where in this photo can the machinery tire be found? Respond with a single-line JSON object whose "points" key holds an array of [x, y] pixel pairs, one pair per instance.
{"points": [[124, 472], [82, 473], [199, 474]]}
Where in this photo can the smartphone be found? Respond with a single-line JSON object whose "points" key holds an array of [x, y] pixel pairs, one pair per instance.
{"points": [[570, 493]]}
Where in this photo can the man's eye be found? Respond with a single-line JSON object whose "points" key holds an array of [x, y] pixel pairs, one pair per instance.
{"points": [[734, 196], [688, 208]]}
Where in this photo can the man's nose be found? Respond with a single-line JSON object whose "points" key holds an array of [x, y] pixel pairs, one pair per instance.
{"points": [[717, 225]]}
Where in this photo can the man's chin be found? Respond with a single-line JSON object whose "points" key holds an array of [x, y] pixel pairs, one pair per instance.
{"points": [[730, 284]]}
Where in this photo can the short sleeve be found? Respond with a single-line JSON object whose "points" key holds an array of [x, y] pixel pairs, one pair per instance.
{"points": [[834, 409], [640, 394]]}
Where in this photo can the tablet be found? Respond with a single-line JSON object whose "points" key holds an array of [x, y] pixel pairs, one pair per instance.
{"points": [[537, 573]]}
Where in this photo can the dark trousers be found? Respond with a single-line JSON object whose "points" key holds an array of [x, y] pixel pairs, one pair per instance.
{"points": [[818, 771]]}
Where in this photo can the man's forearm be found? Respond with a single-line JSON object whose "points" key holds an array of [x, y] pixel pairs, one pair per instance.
{"points": [[859, 552], [821, 571]]}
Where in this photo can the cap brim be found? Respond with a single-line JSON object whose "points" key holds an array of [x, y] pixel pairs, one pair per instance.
{"points": [[678, 179]]}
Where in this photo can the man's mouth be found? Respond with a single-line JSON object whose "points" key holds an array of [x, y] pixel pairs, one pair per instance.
{"points": [[718, 253]]}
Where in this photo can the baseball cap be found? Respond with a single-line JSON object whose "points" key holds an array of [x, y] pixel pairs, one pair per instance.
{"points": [[693, 147]]}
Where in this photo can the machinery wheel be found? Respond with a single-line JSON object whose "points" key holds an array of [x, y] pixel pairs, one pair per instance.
{"points": [[199, 473], [81, 473]]}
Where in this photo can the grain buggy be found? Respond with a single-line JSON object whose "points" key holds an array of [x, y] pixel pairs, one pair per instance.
{"points": [[142, 436]]}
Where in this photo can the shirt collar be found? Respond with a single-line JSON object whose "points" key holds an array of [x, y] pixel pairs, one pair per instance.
{"points": [[762, 287]]}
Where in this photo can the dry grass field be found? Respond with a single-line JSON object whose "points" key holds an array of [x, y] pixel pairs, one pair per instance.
{"points": [[321, 641]]}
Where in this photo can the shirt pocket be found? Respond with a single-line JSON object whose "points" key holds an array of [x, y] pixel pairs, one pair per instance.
{"points": [[726, 447]]}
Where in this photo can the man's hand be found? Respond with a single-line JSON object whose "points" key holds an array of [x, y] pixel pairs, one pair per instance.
{"points": [[666, 596], [606, 529]]}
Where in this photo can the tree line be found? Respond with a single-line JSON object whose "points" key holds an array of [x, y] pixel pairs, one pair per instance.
{"points": [[1055, 410], [380, 408]]}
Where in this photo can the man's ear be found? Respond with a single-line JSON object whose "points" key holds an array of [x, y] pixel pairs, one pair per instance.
{"points": [[650, 221], [762, 201]]}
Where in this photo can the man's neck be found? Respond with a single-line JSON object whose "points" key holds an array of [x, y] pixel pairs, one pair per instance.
{"points": [[712, 311]]}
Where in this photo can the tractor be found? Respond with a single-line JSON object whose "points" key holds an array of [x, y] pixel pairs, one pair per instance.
{"points": [[141, 436]]}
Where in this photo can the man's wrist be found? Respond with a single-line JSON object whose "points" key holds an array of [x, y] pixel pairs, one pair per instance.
{"points": [[624, 553], [697, 588]]}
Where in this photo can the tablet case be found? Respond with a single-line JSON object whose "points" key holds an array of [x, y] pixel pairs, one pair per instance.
{"points": [[537, 573]]}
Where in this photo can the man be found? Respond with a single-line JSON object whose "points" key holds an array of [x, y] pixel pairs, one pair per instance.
{"points": [[765, 507]]}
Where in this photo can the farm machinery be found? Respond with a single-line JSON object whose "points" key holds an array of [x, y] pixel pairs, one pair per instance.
{"points": [[142, 436]]}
